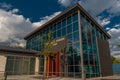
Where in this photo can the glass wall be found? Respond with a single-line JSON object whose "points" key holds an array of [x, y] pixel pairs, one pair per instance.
{"points": [[17, 65], [90, 54], [66, 27]]}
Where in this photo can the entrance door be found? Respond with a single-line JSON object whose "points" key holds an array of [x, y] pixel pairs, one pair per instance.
{"points": [[53, 68]]}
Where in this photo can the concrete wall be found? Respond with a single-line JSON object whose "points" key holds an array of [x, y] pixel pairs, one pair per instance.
{"points": [[37, 66], [2, 64]]}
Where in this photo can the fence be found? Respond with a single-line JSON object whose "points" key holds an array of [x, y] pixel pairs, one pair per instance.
{"points": [[116, 68]]}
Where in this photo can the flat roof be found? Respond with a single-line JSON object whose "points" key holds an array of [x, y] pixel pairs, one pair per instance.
{"points": [[74, 7], [19, 50]]}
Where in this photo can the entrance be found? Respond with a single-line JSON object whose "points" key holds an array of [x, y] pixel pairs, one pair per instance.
{"points": [[53, 68]]}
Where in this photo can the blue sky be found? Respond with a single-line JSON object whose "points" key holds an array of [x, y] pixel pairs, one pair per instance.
{"points": [[19, 17]]}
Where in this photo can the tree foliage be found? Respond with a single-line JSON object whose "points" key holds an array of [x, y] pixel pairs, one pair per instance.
{"points": [[114, 60], [47, 42]]}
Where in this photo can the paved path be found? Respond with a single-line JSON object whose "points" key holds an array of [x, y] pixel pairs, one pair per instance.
{"points": [[26, 77]]}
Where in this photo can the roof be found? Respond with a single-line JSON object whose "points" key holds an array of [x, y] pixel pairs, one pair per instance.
{"points": [[74, 7], [19, 50]]}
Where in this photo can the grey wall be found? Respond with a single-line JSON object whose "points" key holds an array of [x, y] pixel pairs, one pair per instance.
{"points": [[104, 57]]}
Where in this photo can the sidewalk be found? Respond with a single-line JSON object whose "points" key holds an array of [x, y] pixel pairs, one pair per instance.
{"points": [[39, 77]]}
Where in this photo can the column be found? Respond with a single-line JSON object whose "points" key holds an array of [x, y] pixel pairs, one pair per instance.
{"points": [[37, 65]]}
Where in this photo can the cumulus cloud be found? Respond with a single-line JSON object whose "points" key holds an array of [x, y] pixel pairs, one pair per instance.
{"points": [[95, 7], [115, 39], [115, 8], [103, 21], [13, 27], [45, 19]]}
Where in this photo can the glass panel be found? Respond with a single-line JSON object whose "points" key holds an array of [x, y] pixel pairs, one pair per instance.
{"points": [[77, 60], [85, 57], [70, 74], [9, 66], [54, 35], [32, 65], [70, 59], [63, 31], [75, 26], [86, 69], [75, 17], [78, 75], [63, 23], [77, 47], [70, 38], [59, 33], [26, 67], [78, 69], [17, 67], [69, 29], [76, 36], [69, 20], [59, 25], [70, 68]]}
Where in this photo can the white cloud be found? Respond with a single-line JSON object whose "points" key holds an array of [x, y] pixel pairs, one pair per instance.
{"points": [[67, 3], [13, 28], [117, 25], [96, 7], [45, 19], [103, 21], [115, 8], [14, 11], [115, 39], [107, 28]]}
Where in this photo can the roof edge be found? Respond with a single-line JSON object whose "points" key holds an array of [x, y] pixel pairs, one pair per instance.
{"points": [[57, 16], [64, 12]]}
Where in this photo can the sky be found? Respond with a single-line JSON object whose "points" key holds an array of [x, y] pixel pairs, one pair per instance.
{"points": [[20, 17]]}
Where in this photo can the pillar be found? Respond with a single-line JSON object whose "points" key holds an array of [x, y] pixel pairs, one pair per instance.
{"points": [[37, 65]]}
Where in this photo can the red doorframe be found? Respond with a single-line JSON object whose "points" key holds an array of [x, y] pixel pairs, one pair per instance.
{"points": [[57, 64], [49, 72]]}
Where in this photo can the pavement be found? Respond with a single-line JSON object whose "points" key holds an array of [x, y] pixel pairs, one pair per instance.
{"points": [[39, 77]]}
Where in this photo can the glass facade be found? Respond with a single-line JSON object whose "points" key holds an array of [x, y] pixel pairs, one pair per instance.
{"points": [[66, 27], [20, 65], [69, 27], [89, 46]]}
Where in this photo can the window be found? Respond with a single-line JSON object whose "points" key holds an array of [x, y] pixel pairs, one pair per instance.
{"points": [[69, 20], [75, 17], [59, 33], [58, 25], [69, 29], [77, 47], [63, 23], [75, 26], [63, 31], [70, 38], [76, 36]]}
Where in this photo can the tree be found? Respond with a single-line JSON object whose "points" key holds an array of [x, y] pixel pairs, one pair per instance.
{"points": [[47, 42], [114, 60]]}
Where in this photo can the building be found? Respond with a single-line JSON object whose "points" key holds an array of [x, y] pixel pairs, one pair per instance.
{"points": [[17, 61], [82, 48], [86, 43]]}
